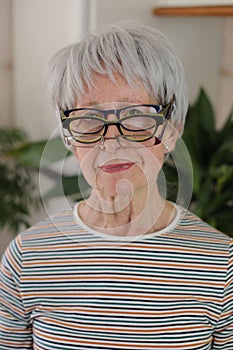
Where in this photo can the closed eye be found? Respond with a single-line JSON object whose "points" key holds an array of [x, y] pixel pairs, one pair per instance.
{"points": [[139, 123], [80, 126]]}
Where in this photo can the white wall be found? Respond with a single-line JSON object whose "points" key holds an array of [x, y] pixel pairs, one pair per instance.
{"points": [[40, 28], [197, 40], [5, 64]]}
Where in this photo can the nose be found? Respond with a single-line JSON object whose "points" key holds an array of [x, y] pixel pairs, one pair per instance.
{"points": [[110, 144], [110, 141], [112, 131]]}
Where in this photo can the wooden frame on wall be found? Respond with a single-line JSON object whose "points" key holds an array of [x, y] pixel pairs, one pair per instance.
{"points": [[193, 8]]}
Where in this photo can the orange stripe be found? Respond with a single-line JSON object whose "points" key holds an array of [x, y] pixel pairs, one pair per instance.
{"points": [[123, 345], [138, 247], [125, 329], [121, 295], [121, 278], [123, 262]]}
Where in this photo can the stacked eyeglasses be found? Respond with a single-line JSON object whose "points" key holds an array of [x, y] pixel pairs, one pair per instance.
{"points": [[139, 125]]}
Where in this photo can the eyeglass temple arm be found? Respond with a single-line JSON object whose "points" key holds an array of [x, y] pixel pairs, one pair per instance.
{"points": [[168, 115], [170, 107], [62, 115]]}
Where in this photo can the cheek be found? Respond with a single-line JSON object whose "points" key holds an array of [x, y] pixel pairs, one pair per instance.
{"points": [[148, 164], [153, 159], [86, 158]]}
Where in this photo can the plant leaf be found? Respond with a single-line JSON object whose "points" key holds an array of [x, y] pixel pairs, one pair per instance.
{"points": [[69, 186], [30, 154]]}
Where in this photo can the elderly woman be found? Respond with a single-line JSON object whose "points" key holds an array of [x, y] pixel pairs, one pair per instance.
{"points": [[125, 269]]}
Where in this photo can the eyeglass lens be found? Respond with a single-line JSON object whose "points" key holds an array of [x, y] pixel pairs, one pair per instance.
{"points": [[136, 124]]}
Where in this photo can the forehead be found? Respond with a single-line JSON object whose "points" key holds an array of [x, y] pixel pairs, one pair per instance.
{"points": [[107, 90]]}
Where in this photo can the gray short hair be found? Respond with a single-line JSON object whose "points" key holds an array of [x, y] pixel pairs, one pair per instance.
{"points": [[136, 51]]}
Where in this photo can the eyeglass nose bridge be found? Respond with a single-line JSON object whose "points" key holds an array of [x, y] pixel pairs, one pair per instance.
{"points": [[107, 112], [108, 123]]}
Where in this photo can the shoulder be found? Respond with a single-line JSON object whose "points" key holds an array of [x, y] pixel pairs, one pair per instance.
{"points": [[48, 231], [192, 224], [192, 231], [198, 241]]}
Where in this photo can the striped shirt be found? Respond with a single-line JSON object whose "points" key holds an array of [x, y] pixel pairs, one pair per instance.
{"points": [[64, 286]]}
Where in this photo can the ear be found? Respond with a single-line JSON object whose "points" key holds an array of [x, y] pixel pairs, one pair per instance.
{"points": [[170, 136]]}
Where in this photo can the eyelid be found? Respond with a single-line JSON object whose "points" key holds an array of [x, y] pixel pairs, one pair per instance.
{"points": [[157, 109], [153, 109]]}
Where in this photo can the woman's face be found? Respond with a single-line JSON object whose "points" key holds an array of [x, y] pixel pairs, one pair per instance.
{"points": [[112, 169]]}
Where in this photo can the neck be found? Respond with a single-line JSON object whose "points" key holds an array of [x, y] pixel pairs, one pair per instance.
{"points": [[142, 212]]}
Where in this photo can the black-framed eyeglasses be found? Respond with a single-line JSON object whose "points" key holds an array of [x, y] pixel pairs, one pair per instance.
{"points": [[138, 124]]}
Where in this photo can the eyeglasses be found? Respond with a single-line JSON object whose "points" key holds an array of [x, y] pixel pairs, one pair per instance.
{"points": [[137, 125]]}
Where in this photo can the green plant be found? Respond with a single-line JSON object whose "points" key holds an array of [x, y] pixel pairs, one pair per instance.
{"points": [[20, 161], [18, 187], [211, 152]]}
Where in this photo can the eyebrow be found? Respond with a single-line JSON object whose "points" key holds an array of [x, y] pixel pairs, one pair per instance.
{"points": [[95, 103], [91, 103]]}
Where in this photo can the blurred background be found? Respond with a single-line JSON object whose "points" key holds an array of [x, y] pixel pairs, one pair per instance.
{"points": [[31, 31]]}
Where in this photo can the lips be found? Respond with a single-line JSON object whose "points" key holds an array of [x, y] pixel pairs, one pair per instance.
{"points": [[116, 167]]}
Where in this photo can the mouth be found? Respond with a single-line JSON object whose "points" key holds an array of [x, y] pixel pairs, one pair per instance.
{"points": [[116, 167]]}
